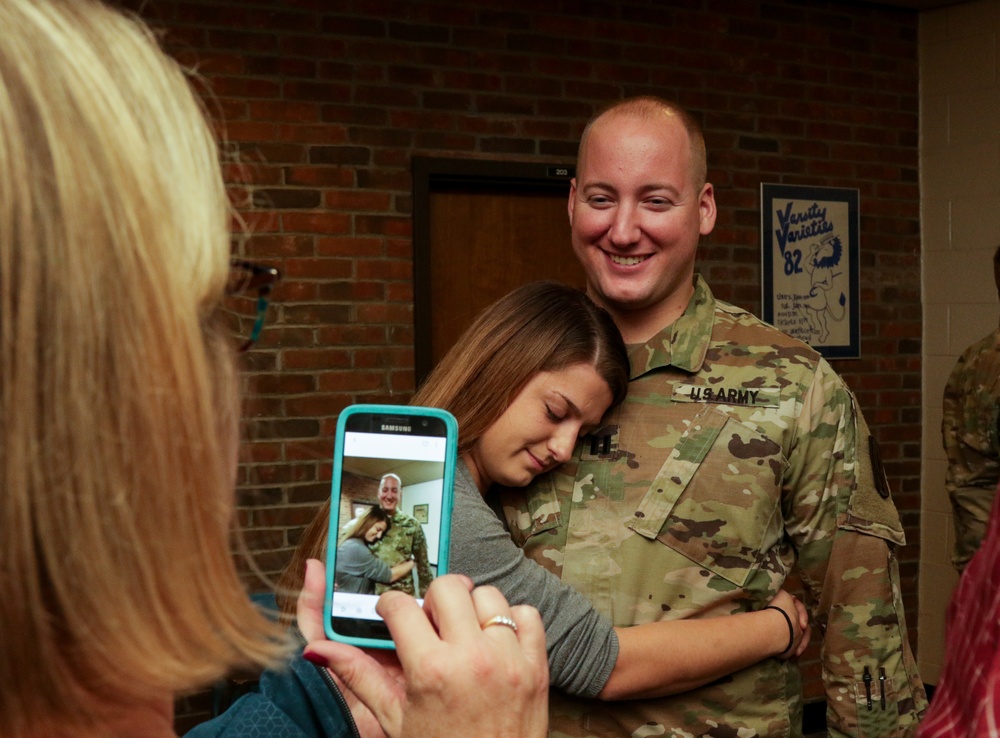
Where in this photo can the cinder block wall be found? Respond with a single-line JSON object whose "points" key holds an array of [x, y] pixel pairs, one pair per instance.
{"points": [[960, 192], [323, 104]]}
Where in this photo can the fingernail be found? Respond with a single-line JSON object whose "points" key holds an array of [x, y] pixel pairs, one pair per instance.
{"points": [[314, 658]]}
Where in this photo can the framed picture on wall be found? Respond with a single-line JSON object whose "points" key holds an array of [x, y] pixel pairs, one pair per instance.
{"points": [[359, 508], [809, 270], [420, 513]]}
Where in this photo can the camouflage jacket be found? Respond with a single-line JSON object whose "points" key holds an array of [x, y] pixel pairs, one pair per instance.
{"points": [[972, 442], [403, 540], [737, 454]]}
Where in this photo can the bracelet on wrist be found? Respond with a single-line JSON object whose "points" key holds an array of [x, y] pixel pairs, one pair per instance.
{"points": [[791, 629]]}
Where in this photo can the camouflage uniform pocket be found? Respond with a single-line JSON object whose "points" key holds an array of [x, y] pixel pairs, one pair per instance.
{"points": [[878, 714], [715, 499]]}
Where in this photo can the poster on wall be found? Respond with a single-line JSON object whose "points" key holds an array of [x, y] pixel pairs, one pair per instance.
{"points": [[809, 268]]}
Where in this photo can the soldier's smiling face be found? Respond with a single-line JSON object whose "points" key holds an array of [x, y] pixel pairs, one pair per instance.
{"points": [[388, 494], [636, 215]]}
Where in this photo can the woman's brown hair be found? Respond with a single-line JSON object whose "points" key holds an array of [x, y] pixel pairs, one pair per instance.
{"points": [[539, 327], [365, 522]]}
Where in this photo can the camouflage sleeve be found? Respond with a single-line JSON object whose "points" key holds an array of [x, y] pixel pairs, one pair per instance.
{"points": [[970, 507], [841, 518], [424, 574], [970, 484], [950, 410]]}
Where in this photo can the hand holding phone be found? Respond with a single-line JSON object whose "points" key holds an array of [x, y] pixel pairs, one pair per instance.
{"points": [[390, 513], [451, 672]]}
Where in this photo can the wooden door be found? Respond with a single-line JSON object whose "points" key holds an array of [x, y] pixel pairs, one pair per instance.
{"points": [[487, 241], [480, 229]]}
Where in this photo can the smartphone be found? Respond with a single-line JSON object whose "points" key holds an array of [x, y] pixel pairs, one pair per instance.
{"points": [[391, 502]]}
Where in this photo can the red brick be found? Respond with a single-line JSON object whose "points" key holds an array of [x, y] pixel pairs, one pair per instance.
{"points": [[322, 358], [282, 517], [311, 315], [385, 270], [351, 335], [388, 226], [355, 200], [351, 291], [320, 405], [245, 87], [281, 246], [317, 269], [399, 292], [284, 384], [316, 222], [385, 313], [320, 176], [261, 451], [321, 133], [351, 381], [383, 358], [256, 221], [249, 131], [369, 246], [284, 112]]}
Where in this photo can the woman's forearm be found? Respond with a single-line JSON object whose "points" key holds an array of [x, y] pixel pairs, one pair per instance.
{"points": [[668, 657], [400, 570]]}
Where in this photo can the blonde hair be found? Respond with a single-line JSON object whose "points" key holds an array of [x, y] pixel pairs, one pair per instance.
{"points": [[118, 389], [651, 108]]}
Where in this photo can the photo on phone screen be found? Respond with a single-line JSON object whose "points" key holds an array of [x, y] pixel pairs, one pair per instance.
{"points": [[390, 516]]}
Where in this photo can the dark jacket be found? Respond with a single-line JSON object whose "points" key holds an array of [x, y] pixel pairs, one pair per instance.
{"points": [[300, 702]]}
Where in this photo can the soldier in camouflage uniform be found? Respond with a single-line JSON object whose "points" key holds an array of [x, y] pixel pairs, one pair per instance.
{"points": [[738, 455], [972, 439], [404, 540]]}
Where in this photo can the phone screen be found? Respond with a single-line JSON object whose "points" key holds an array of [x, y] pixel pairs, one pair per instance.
{"points": [[392, 492]]}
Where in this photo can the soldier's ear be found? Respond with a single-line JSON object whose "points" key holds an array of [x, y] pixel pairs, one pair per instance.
{"points": [[706, 209]]}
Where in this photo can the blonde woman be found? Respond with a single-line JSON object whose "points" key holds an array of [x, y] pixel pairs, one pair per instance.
{"points": [[118, 386]]}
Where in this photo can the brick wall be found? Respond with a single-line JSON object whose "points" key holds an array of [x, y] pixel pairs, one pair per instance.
{"points": [[324, 104]]}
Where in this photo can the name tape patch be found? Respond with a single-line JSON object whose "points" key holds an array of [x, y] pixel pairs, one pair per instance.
{"points": [[724, 395]]}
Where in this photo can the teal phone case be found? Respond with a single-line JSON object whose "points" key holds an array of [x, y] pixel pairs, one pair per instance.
{"points": [[447, 502]]}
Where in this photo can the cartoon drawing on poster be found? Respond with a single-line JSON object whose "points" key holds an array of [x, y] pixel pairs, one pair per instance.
{"points": [[809, 255]]}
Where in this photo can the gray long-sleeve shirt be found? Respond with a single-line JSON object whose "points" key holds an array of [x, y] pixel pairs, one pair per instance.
{"points": [[582, 645], [357, 568]]}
